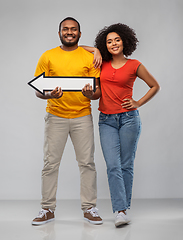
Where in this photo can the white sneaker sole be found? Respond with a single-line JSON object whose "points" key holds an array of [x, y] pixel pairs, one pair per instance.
{"points": [[93, 222], [120, 223], [43, 222]]}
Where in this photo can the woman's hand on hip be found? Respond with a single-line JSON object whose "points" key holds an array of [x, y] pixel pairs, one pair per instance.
{"points": [[130, 104]]}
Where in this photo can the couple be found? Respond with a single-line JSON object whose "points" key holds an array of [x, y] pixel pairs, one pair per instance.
{"points": [[69, 113]]}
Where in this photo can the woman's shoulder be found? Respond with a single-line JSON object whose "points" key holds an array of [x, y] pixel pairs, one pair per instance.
{"points": [[106, 63], [133, 64], [134, 61]]}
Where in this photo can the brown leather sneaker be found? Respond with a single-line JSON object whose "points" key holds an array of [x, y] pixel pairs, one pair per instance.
{"points": [[91, 215], [44, 216]]}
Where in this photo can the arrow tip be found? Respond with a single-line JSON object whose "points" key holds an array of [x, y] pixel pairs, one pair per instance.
{"points": [[36, 83]]}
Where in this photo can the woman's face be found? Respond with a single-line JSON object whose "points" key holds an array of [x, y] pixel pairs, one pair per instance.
{"points": [[114, 43]]}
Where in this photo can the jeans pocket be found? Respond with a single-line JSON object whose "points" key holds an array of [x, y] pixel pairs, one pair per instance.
{"points": [[103, 117], [133, 114]]}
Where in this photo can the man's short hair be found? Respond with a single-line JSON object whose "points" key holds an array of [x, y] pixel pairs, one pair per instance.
{"points": [[69, 18]]}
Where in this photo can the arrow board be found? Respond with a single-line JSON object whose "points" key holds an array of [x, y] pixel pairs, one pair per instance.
{"points": [[42, 83]]}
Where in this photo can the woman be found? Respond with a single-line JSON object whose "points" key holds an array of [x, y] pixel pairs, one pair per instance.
{"points": [[119, 120]]}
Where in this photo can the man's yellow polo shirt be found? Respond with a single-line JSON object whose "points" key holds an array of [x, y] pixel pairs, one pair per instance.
{"points": [[57, 62]]}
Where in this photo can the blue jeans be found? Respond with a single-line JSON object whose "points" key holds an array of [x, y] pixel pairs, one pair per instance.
{"points": [[119, 134]]}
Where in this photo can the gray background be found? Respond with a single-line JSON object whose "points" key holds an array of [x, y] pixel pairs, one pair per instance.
{"points": [[27, 29]]}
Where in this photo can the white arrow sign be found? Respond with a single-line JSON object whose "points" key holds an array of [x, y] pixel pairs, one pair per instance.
{"points": [[42, 83]]}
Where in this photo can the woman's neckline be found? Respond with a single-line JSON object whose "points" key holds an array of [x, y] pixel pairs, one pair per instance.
{"points": [[119, 67]]}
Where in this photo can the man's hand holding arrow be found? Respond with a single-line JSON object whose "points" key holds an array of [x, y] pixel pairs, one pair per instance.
{"points": [[56, 93], [88, 91]]}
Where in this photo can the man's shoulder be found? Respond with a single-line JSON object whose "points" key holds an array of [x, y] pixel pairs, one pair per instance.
{"points": [[50, 53], [84, 52], [52, 50]]}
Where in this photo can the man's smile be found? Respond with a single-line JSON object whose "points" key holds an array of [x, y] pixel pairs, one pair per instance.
{"points": [[70, 37]]}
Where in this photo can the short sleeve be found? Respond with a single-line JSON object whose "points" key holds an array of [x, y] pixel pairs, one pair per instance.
{"points": [[42, 66], [137, 64]]}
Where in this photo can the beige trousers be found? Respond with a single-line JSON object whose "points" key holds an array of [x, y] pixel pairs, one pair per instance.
{"points": [[56, 133]]}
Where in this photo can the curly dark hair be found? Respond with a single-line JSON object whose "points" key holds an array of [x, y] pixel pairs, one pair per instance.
{"points": [[127, 35]]}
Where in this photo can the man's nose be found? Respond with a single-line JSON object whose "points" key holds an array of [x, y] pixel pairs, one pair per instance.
{"points": [[69, 31]]}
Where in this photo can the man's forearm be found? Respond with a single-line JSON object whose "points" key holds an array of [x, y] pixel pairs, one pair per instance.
{"points": [[96, 95], [46, 96], [56, 93]]}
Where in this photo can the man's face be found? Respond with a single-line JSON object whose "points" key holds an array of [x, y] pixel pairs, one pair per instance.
{"points": [[69, 33]]}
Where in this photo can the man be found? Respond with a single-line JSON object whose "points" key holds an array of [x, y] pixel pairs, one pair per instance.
{"points": [[68, 113]]}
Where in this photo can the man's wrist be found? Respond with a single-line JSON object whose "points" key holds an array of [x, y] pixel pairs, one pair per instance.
{"points": [[48, 95], [89, 96]]}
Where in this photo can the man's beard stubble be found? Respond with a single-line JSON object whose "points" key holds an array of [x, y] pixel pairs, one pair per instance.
{"points": [[69, 44]]}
